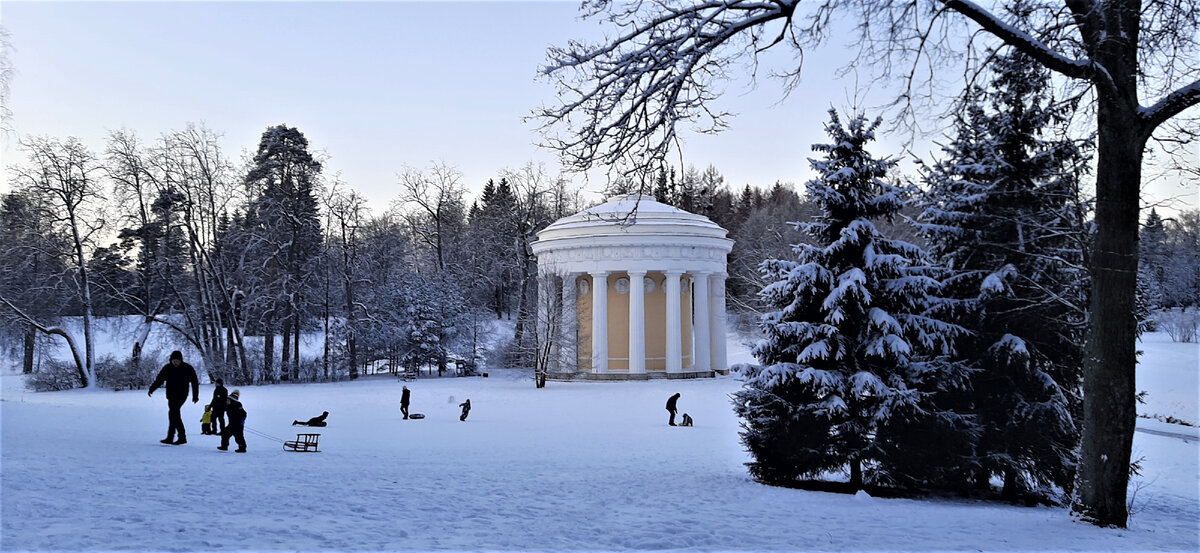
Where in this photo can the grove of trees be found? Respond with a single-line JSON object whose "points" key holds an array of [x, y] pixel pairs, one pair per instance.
{"points": [[622, 100], [235, 258]]}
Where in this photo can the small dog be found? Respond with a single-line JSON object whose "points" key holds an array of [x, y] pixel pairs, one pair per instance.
{"points": [[687, 420]]}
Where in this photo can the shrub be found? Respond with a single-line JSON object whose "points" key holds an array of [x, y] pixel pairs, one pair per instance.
{"points": [[1181, 326], [123, 375], [54, 376]]}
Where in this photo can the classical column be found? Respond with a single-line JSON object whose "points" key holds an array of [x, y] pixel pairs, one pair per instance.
{"points": [[545, 308], [717, 332], [700, 332], [568, 341], [637, 321], [600, 322], [674, 323]]}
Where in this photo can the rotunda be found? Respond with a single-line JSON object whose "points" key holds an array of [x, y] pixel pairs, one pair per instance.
{"points": [[633, 289]]}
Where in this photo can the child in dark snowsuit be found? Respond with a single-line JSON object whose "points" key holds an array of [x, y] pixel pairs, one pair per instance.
{"points": [[466, 407], [315, 421], [236, 425], [218, 405], [206, 422]]}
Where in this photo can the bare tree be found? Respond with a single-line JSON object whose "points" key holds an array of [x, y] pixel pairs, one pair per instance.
{"points": [[30, 251], [435, 202], [145, 219], [6, 76], [536, 195], [346, 213], [621, 102], [65, 175], [184, 188]]}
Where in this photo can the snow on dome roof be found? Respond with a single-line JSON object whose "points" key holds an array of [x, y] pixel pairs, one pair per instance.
{"points": [[634, 214], [628, 232]]}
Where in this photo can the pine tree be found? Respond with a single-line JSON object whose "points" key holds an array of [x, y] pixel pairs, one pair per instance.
{"points": [[1003, 215], [847, 354], [285, 217]]}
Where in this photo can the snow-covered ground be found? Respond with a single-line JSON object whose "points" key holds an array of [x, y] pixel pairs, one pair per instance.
{"points": [[581, 466]]}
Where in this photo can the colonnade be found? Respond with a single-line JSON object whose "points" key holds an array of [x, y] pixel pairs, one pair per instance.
{"points": [[704, 329]]}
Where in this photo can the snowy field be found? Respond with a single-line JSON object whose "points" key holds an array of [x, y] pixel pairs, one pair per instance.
{"points": [[582, 466]]}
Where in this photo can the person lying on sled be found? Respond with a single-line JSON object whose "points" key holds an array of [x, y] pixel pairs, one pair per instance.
{"points": [[315, 421]]}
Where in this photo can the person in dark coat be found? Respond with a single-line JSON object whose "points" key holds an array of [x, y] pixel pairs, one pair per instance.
{"points": [[315, 421], [672, 408], [466, 407], [404, 402], [218, 405], [236, 425], [176, 375]]}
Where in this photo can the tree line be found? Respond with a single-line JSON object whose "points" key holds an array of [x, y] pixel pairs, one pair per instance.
{"points": [[241, 260], [623, 98]]}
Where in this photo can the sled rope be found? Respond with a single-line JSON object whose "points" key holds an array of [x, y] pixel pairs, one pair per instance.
{"points": [[263, 434]]}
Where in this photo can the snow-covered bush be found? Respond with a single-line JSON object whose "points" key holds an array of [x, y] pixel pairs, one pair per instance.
{"points": [[53, 376], [1181, 326], [122, 375]]}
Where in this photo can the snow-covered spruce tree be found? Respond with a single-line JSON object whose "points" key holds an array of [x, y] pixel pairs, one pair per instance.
{"points": [[1003, 215], [845, 359]]}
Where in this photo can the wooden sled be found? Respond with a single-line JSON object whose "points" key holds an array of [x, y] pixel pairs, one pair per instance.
{"points": [[303, 443]]}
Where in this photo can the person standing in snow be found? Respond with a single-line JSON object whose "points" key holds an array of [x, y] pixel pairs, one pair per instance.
{"points": [[176, 375], [236, 424], [466, 407], [218, 404], [672, 408], [404, 402], [206, 422]]}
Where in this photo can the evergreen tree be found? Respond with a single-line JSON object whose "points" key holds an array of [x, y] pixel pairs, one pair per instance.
{"points": [[492, 230], [664, 186], [1153, 261], [847, 358], [285, 219], [1003, 216]]}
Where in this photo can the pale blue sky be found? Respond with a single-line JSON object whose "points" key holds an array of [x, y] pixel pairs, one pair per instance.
{"points": [[375, 85]]}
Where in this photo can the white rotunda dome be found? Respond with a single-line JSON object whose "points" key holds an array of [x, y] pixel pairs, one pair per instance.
{"points": [[633, 289], [632, 230]]}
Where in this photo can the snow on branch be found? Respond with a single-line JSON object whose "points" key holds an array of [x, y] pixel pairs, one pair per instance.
{"points": [[1171, 105], [1027, 44]]}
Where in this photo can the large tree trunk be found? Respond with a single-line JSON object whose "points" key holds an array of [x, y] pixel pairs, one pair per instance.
{"points": [[135, 357], [27, 360], [296, 326], [269, 351], [286, 354], [351, 324], [856, 480], [1109, 405]]}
